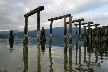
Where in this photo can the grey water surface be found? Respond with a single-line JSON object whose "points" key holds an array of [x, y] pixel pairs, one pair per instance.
{"points": [[29, 58]]}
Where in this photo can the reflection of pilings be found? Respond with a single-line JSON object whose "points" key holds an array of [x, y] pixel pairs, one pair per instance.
{"points": [[51, 69], [25, 57], [65, 34], [11, 46], [65, 59], [38, 28], [89, 47], [70, 60], [84, 52], [79, 56], [76, 49], [39, 56], [96, 52], [70, 32], [50, 33]]}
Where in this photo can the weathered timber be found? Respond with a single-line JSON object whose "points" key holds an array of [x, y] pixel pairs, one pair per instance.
{"points": [[60, 17], [76, 28], [50, 33], [89, 26], [26, 26], [37, 10], [65, 34], [85, 28], [95, 25], [38, 28], [79, 20], [40, 8], [70, 31]]}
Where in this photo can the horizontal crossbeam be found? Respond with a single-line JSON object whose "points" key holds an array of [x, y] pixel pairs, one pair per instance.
{"points": [[60, 17], [40, 8]]}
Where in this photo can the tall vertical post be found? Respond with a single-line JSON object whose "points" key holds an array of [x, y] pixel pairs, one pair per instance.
{"points": [[70, 32], [38, 28], [70, 43], [65, 34], [26, 26], [50, 33], [79, 28], [25, 57]]}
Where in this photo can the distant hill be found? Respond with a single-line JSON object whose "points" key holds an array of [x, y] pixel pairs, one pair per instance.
{"points": [[58, 31], [7, 32]]}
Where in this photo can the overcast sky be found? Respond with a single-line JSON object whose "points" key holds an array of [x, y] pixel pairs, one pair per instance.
{"points": [[12, 12]]}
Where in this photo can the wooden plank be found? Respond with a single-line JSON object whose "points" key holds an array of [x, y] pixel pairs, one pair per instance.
{"points": [[78, 20], [65, 34], [40, 8], [60, 17]]}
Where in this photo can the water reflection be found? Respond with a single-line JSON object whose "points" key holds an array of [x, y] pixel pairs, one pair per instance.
{"points": [[11, 46], [51, 63], [39, 60], [25, 57], [91, 51], [43, 47]]}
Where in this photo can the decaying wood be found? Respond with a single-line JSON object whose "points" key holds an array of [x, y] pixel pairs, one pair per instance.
{"points": [[40, 8], [60, 17]]}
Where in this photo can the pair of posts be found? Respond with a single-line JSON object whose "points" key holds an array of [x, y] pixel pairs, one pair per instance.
{"points": [[37, 10], [79, 20], [65, 29]]}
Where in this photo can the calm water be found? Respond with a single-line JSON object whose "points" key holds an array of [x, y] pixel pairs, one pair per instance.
{"points": [[29, 58]]}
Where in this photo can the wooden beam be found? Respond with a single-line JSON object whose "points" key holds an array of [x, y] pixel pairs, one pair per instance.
{"points": [[78, 20], [40, 8], [60, 17]]}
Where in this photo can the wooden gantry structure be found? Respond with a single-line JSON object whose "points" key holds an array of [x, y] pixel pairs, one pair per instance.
{"points": [[65, 29], [37, 10], [79, 20]]}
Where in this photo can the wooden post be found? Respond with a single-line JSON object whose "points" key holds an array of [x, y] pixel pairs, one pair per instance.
{"points": [[79, 55], [38, 28], [26, 26], [25, 57], [85, 40], [50, 33], [26, 30], [38, 61], [76, 28], [65, 60], [65, 34], [70, 32], [79, 28]]}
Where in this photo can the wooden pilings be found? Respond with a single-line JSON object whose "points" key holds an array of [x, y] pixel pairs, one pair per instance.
{"points": [[79, 20], [50, 33], [37, 10], [76, 28], [65, 29], [65, 34], [70, 32]]}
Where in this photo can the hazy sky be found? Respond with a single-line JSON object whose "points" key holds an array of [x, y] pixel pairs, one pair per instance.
{"points": [[12, 12]]}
